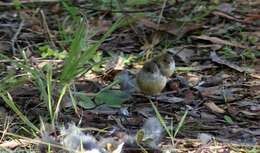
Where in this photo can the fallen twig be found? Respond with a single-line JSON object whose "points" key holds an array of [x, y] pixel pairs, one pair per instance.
{"points": [[13, 40]]}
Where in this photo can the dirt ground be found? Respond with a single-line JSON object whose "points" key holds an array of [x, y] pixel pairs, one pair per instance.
{"points": [[214, 94]]}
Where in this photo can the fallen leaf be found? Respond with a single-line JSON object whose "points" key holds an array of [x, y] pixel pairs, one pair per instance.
{"points": [[189, 97], [85, 101], [208, 117], [228, 119], [217, 40], [184, 54], [212, 46], [209, 81], [215, 58], [213, 107], [255, 76], [225, 7], [170, 99], [221, 93], [193, 79], [103, 110], [209, 91], [112, 98], [250, 113], [252, 18], [171, 28], [224, 15], [232, 110], [15, 143], [254, 131]]}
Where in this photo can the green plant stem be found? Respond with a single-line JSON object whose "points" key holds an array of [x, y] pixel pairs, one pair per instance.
{"points": [[158, 115], [49, 90], [9, 101], [63, 91]]}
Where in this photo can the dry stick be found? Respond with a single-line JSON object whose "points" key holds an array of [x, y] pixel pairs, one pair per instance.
{"points": [[46, 27], [13, 40], [229, 16], [161, 13]]}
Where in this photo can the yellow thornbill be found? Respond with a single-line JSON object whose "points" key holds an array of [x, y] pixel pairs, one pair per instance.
{"points": [[165, 63], [150, 79]]}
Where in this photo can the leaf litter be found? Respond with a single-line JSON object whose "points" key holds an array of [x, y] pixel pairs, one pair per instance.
{"points": [[221, 92]]}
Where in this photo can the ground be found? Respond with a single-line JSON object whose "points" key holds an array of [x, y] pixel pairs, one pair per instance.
{"points": [[60, 62]]}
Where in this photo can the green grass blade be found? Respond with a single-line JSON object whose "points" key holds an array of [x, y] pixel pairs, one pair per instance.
{"points": [[87, 55], [72, 62], [63, 91], [37, 75], [49, 89], [78, 58], [158, 115], [180, 124], [9, 101]]}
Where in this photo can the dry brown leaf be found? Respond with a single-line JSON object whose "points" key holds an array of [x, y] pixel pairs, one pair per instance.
{"points": [[170, 99], [210, 91], [212, 46], [185, 54], [212, 106], [188, 98], [252, 18], [207, 116], [217, 40], [224, 15], [250, 113], [171, 28], [215, 58], [14, 143]]}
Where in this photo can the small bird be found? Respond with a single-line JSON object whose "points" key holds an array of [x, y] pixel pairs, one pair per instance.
{"points": [[150, 80], [166, 64]]}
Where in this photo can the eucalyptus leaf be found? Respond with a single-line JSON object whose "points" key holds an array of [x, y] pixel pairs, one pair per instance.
{"points": [[112, 98], [85, 101], [228, 119]]}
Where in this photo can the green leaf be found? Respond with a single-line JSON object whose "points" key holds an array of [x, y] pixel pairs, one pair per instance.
{"points": [[17, 4], [98, 57], [112, 98], [46, 51], [228, 119], [85, 101], [9, 101]]}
